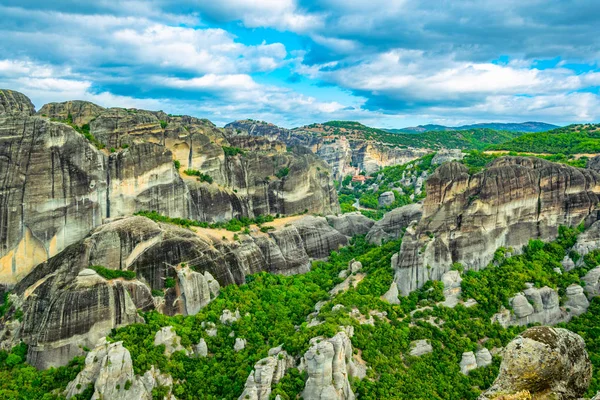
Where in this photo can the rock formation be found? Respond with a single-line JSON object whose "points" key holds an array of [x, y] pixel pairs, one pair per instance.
{"points": [[543, 362], [592, 282], [350, 224], [587, 241], [108, 368], [542, 306], [339, 152], [393, 223], [329, 364], [66, 305], [420, 347], [466, 218], [266, 373], [168, 337], [57, 186]]}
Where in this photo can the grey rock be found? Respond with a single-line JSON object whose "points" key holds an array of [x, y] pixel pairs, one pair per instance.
{"points": [[446, 155], [266, 373], [483, 357], [588, 241], [319, 238], [108, 367], [567, 263], [566, 371], [240, 344], [468, 363], [592, 282], [329, 365], [452, 288], [391, 296], [386, 199], [393, 223], [420, 347], [228, 317], [12, 102], [355, 266], [166, 336], [350, 224], [577, 302], [197, 290], [201, 349], [465, 220]]}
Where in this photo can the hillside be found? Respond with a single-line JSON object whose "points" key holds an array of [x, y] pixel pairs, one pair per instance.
{"points": [[572, 139], [511, 127], [471, 139]]}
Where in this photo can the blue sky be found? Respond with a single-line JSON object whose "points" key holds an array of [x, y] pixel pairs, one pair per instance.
{"points": [[391, 63]]}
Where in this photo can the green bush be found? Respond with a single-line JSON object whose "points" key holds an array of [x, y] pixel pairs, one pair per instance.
{"points": [[107, 273]]}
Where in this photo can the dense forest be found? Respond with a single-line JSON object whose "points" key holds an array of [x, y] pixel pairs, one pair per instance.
{"points": [[572, 139]]}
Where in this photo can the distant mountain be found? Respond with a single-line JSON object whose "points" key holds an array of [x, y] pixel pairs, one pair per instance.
{"points": [[499, 126]]}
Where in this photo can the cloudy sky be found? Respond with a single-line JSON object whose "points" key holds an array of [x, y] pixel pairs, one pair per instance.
{"points": [[391, 63]]}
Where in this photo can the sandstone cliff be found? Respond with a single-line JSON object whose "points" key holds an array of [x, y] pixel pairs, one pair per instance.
{"points": [[466, 218], [56, 186]]}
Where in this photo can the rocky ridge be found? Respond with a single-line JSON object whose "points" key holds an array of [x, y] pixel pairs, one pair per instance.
{"points": [[466, 218]]}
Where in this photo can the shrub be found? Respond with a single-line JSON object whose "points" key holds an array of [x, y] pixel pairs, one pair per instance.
{"points": [[107, 273], [282, 173], [177, 164]]}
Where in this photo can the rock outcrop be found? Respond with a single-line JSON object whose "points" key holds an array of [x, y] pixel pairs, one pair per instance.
{"points": [[592, 282], [266, 373], [168, 337], [447, 155], [108, 368], [393, 223], [543, 362], [351, 224], [542, 306], [420, 347], [329, 364], [57, 186], [12, 102], [587, 241], [466, 218]]}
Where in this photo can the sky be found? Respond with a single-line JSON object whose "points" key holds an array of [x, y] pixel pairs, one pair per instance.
{"points": [[390, 64]]}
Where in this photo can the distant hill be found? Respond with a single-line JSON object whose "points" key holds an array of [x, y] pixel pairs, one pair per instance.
{"points": [[510, 127], [572, 139], [472, 139]]}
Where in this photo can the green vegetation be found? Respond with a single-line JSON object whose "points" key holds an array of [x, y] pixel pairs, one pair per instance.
{"points": [[387, 179], [83, 129], [478, 138], [572, 139], [477, 160], [163, 124], [19, 380], [107, 273], [202, 177], [232, 151], [282, 173], [234, 225], [177, 164]]}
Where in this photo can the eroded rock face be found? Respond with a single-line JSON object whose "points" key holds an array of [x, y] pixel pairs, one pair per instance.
{"points": [[319, 238], [329, 364], [15, 102], [168, 337], [592, 282], [109, 369], [543, 361], [266, 373], [588, 241], [393, 223], [466, 218], [57, 186]]}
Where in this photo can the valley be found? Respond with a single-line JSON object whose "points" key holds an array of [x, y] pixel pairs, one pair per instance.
{"points": [[145, 255]]}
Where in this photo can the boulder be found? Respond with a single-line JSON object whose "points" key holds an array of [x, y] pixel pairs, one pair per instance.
{"points": [[386, 199], [168, 337], [483, 357], [543, 361], [228, 317], [240, 344], [420, 347], [592, 282], [201, 349], [468, 362]]}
